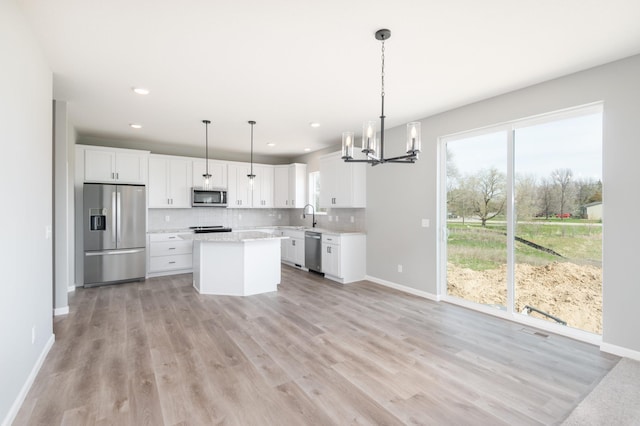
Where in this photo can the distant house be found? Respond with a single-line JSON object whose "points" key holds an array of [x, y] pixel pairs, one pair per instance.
{"points": [[593, 210]]}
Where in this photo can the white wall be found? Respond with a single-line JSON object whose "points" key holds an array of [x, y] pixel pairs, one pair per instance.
{"points": [[26, 211], [63, 197], [394, 233]]}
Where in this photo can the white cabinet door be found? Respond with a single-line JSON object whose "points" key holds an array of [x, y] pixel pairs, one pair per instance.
{"points": [[130, 168], [180, 182], [331, 259], [341, 184], [170, 182], [217, 170], [238, 194], [158, 183], [281, 186], [263, 186], [298, 251], [297, 185], [99, 166]]}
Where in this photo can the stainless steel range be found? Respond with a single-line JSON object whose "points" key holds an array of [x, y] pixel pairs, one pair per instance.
{"points": [[208, 229]]}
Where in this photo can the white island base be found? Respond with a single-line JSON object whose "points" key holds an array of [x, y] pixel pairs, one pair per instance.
{"points": [[236, 265]]}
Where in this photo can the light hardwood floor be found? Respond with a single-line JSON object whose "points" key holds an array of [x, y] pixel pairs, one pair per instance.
{"points": [[314, 353]]}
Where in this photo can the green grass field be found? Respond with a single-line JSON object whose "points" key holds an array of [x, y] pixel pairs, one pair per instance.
{"points": [[474, 247]]}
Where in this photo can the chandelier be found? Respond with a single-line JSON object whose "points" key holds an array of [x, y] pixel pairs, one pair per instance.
{"points": [[371, 146]]}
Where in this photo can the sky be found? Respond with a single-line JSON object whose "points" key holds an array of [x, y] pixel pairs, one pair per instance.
{"points": [[572, 143]]}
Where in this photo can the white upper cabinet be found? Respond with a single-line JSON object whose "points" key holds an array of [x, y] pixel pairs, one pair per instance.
{"points": [[263, 186], [217, 170], [290, 186], [238, 190], [281, 186], [342, 184], [115, 165], [170, 181]]}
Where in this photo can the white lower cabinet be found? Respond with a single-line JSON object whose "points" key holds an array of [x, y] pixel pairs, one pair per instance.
{"points": [[292, 248], [169, 254], [344, 257]]}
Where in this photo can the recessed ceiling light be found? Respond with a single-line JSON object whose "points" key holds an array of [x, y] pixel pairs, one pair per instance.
{"points": [[135, 125], [307, 149], [141, 90], [314, 124], [271, 144]]}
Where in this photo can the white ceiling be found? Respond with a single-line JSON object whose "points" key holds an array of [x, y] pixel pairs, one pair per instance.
{"points": [[287, 63]]}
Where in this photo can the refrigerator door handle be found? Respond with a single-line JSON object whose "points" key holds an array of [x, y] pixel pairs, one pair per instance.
{"points": [[110, 252], [114, 218], [118, 218]]}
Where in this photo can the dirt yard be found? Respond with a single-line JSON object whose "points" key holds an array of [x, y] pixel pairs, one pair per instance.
{"points": [[568, 291]]}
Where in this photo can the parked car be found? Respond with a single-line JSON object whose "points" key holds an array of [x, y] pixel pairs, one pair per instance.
{"points": [[563, 215]]}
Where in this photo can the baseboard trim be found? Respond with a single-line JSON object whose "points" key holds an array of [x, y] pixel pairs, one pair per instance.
{"points": [[15, 407], [620, 351], [71, 288], [61, 311], [403, 288]]}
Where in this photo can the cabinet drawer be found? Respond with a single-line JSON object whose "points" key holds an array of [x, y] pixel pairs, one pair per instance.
{"points": [[167, 248], [168, 263], [331, 239], [165, 236]]}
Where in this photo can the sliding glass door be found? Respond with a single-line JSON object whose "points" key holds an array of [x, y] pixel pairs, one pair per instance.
{"points": [[524, 218]]}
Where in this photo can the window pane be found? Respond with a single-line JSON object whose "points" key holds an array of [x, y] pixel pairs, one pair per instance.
{"points": [[558, 199], [476, 211]]}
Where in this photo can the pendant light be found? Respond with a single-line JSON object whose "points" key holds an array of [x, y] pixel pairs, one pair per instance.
{"points": [[251, 176], [207, 177], [373, 149]]}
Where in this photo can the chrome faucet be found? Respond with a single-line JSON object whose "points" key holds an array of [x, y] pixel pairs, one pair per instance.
{"points": [[313, 214]]}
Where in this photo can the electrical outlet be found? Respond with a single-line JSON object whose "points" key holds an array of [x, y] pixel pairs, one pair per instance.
{"points": [[239, 217], [425, 223], [330, 218], [399, 268], [47, 232], [167, 218], [337, 218], [353, 219], [279, 216]]}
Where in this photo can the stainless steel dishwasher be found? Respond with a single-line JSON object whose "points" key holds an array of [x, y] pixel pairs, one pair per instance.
{"points": [[313, 251]]}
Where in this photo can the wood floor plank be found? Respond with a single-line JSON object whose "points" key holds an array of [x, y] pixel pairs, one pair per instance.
{"points": [[315, 352]]}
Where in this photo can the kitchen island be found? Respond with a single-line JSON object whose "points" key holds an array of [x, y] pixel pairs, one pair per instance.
{"points": [[235, 263]]}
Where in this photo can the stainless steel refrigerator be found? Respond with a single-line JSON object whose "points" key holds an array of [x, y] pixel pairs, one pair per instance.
{"points": [[114, 233]]}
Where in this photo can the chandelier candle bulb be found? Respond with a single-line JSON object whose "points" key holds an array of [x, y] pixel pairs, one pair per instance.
{"points": [[368, 137], [413, 138], [347, 145]]}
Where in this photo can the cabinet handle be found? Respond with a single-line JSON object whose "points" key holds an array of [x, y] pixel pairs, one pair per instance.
{"points": [[172, 248], [328, 249], [172, 262], [113, 175], [117, 176], [172, 238], [293, 242]]}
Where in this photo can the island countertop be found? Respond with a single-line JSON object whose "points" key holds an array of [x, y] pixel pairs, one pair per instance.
{"points": [[232, 237]]}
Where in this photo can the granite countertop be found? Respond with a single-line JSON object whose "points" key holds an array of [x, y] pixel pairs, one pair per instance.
{"points": [[170, 231], [246, 229], [232, 237]]}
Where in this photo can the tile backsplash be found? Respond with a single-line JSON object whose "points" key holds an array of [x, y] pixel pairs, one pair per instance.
{"points": [[336, 219]]}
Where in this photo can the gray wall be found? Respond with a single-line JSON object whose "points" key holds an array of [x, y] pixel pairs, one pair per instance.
{"points": [[26, 188], [394, 232]]}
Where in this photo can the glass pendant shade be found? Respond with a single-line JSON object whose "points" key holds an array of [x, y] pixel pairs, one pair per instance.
{"points": [[369, 142], [347, 144], [414, 142]]}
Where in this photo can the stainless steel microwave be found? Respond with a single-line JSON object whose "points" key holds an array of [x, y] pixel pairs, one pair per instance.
{"points": [[209, 197]]}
